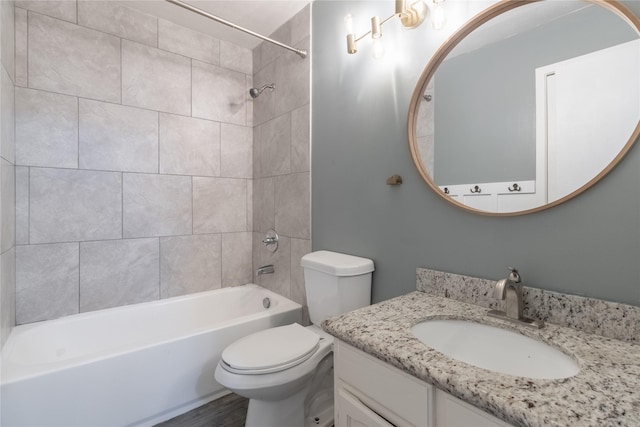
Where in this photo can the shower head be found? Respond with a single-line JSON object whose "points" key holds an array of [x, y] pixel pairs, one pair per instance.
{"points": [[255, 92]]}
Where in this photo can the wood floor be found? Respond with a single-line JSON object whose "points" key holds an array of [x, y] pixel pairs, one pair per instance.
{"points": [[228, 411]]}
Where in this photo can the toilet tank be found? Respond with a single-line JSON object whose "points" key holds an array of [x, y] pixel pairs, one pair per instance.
{"points": [[335, 283]]}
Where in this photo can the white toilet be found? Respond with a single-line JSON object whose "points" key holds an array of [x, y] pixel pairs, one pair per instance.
{"points": [[287, 372]]}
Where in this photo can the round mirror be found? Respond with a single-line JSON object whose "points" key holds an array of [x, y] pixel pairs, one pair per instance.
{"points": [[528, 104]]}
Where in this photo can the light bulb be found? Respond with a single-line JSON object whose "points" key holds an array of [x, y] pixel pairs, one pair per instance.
{"points": [[348, 23], [439, 19], [377, 48]]}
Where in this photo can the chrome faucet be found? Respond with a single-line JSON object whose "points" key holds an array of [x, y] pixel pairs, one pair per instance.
{"points": [[265, 269], [510, 290]]}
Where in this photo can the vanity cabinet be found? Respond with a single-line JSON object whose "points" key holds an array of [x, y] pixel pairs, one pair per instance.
{"points": [[371, 393]]}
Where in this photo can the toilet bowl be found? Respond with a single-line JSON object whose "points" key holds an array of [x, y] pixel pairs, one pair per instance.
{"points": [[281, 375], [287, 372]]}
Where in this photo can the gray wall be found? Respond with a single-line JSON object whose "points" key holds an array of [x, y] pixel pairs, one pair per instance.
{"points": [[587, 246], [494, 89]]}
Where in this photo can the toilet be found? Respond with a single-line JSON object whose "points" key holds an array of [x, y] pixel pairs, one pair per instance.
{"points": [[287, 371]]}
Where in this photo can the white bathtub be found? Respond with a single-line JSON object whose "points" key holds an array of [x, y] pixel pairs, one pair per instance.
{"points": [[133, 365]]}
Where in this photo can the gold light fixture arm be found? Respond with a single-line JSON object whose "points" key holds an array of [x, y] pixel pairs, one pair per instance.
{"points": [[410, 17]]}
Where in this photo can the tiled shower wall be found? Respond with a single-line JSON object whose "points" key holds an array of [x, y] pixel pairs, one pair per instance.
{"points": [[133, 159], [7, 172], [281, 157]]}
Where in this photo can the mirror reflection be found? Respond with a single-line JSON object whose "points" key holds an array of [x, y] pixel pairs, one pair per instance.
{"points": [[530, 107]]}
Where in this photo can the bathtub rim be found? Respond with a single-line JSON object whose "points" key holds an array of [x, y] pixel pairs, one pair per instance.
{"points": [[8, 374]]}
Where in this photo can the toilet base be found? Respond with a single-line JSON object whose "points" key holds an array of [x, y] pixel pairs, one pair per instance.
{"points": [[288, 413], [310, 407]]}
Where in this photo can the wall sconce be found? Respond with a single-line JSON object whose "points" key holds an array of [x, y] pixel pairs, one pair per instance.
{"points": [[410, 15]]}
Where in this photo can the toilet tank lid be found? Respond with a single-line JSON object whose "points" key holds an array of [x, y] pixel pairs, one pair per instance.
{"points": [[337, 264]]}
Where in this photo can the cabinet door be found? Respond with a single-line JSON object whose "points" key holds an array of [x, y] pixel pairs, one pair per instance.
{"points": [[453, 412], [397, 396], [353, 413]]}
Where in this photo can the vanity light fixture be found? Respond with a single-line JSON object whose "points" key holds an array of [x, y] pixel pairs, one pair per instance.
{"points": [[410, 16]]}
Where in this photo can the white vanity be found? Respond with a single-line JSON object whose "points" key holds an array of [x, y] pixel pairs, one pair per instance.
{"points": [[385, 374], [369, 392]]}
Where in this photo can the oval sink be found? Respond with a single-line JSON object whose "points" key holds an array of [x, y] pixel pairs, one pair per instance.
{"points": [[495, 349]]}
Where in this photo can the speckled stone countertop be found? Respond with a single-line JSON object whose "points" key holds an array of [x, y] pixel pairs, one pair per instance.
{"points": [[606, 391]]}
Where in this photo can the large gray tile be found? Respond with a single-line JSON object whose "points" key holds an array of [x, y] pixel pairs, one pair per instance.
{"points": [[47, 281], [256, 53], [257, 169], [7, 117], [237, 264], [73, 60], [236, 151], [61, 9], [7, 205], [293, 79], [189, 264], [219, 94], [72, 205], [264, 207], [155, 79], [46, 129], [275, 146], [299, 248], [118, 272], [156, 205], [187, 42], [118, 138], [7, 50], [280, 281], [7, 294], [249, 204], [22, 205], [300, 139], [114, 18], [293, 205], [219, 205], [271, 52], [248, 103], [189, 146], [21, 47], [235, 57], [301, 25], [264, 106]]}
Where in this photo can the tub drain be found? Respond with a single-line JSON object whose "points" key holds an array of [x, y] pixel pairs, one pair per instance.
{"points": [[266, 303]]}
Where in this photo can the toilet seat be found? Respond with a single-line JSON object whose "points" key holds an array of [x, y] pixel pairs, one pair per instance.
{"points": [[271, 350]]}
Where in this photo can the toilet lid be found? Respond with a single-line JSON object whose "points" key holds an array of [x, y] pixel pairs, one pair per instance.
{"points": [[271, 350]]}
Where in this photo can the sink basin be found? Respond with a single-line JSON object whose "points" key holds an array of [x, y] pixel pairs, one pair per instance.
{"points": [[495, 349]]}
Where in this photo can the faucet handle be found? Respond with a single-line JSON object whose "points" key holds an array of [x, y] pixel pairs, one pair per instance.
{"points": [[514, 276]]}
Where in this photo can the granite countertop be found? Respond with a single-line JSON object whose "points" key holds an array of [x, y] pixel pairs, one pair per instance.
{"points": [[606, 391]]}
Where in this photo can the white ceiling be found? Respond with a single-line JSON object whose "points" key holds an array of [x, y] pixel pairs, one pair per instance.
{"points": [[260, 16]]}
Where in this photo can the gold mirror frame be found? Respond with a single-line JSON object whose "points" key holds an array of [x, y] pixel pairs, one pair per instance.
{"points": [[485, 16]]}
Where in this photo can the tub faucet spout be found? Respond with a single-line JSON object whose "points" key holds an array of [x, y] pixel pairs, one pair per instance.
{"points": [[265, 269]]}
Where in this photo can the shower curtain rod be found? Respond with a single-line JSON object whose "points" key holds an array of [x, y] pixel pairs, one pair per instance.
{"points": [[301, 52]]}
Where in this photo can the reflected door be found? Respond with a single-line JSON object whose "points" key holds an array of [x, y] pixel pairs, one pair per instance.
{"points": [[576, 122]]}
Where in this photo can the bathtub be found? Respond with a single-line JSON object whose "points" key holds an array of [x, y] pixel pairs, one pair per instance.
{"points": [[133, 365]]}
